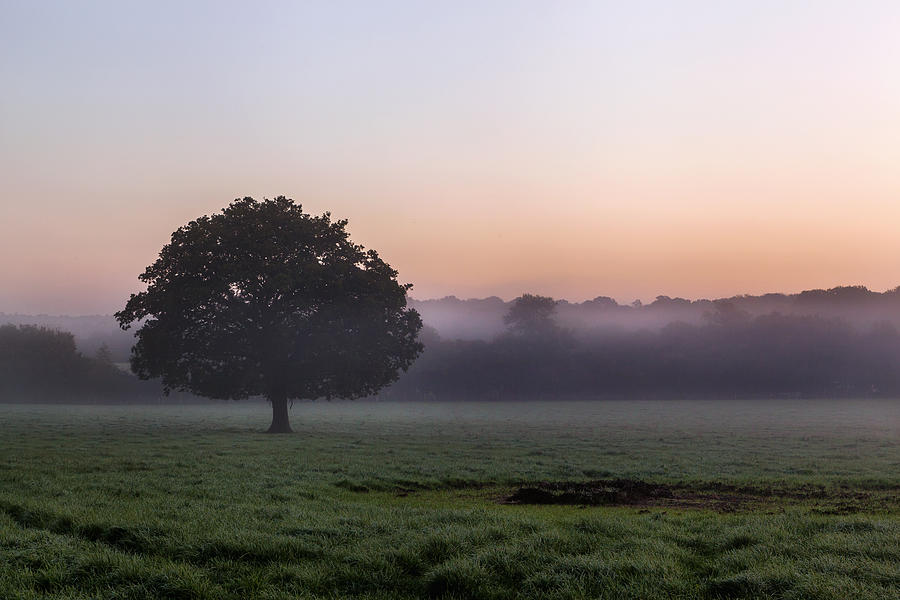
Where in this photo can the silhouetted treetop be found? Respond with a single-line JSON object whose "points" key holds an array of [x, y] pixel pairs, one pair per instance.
{"points": [[531, 314]]}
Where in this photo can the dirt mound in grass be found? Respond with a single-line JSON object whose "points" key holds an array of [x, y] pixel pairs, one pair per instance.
{"points": [[711, 496], [594, 493]]}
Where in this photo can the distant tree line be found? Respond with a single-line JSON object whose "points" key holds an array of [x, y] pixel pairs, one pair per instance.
{"points": [[483, 318], [730, 353], [41, 364], [727, 351]]}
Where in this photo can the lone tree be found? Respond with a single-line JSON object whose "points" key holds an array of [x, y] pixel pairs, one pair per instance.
{"points": [[264, 299]]}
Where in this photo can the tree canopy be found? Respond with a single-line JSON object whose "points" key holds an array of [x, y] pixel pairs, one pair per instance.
{"points": [[265, 299], [41, 364], [531, 315]]}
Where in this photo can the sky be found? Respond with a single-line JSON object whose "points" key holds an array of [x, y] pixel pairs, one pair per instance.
{"points": [[572, 149]]}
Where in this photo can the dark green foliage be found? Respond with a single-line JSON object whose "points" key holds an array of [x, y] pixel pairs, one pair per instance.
{"points": [[264, 299], [531, 315], [39, 364]]}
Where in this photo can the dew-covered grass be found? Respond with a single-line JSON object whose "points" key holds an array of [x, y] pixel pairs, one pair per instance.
{"points": [[393, 500]]}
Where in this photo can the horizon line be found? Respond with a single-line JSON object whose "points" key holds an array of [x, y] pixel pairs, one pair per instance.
{"points": [[505, 301]]}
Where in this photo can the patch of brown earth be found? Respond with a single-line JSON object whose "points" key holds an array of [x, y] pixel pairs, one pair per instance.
{"points": [[710, 496]]}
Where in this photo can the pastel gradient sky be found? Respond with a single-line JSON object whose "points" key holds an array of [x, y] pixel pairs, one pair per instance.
{"points": [[573, 149]]}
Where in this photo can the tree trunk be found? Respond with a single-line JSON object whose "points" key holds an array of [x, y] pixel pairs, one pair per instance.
{"points": [[280, 421]]}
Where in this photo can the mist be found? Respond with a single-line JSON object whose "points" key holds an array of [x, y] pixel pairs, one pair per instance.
{"points": [[482, 319], [839, 342]]}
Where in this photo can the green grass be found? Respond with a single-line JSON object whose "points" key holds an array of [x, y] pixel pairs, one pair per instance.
{"points": [[379, 500]]}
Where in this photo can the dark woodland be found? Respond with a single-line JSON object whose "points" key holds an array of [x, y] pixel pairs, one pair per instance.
{"points": [[729, 354], [842, 342]]}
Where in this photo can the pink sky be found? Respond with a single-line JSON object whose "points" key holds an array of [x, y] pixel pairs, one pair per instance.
{"points": [[569, 149]]}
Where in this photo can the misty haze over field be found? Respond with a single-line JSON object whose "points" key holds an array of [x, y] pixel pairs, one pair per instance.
{"points": [[482, 319], [841, 342], [454, 318]]}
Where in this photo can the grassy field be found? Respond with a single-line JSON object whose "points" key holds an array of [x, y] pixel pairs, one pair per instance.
{"points": [[384, 500]]}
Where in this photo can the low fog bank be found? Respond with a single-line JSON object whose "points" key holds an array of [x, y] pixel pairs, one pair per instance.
{"points": [[729, 356], [837, 343], [840, 343], [482, 319]]}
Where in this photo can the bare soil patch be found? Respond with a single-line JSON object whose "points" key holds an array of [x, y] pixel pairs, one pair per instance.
{"points": [[710, 496]]}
